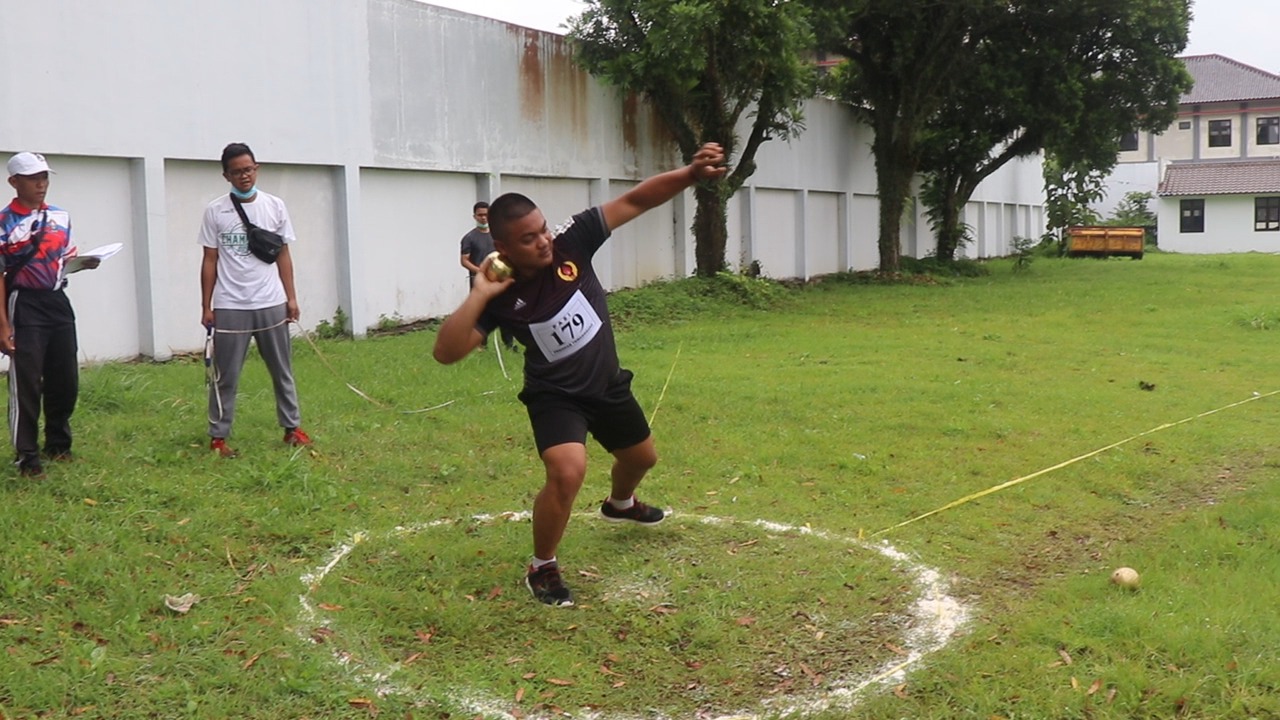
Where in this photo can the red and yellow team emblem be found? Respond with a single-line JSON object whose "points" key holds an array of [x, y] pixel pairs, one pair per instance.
{"points": [[567, 271]]}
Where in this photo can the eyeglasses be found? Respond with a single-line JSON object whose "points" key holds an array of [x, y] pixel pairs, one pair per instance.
{"points": [[243, 172]]}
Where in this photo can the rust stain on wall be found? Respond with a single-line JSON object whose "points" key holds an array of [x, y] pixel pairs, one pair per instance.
{"points": [[533, 88], [567, 88], [630, 127]]}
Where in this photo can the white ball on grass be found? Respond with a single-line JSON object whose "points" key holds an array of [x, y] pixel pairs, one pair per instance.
{"points": [[1126, 577]]}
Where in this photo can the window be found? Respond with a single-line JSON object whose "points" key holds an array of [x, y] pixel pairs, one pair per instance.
{"points": [[1192, 212], [1129, 141], [1219, 133], [1269, 131], [1184, 125], [1266, 214]]}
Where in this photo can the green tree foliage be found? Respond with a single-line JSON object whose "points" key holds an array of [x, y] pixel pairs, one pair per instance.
{"points": [[708, 67], [1067, 76], [1069, 190], [1133, 210], [957, 88], [904, 57]]}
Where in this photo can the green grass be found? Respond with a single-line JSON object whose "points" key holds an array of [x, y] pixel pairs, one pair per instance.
{"points": [[844, 407]]}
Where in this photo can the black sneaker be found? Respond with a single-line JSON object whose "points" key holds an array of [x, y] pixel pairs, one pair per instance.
{"points": [[637, 513], [547, 586], [31, 467], [58, 454]]}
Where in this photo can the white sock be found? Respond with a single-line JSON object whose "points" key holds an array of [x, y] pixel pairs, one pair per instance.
{"points": [[622, 504], [538, 562]]}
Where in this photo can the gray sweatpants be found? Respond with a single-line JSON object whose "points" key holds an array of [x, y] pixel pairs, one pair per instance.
{"points": [[231, 333]]}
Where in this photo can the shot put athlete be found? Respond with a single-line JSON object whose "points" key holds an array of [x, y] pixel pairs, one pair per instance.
{"points": [[573, 384]]}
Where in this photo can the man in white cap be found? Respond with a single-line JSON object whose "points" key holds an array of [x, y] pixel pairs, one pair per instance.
{"points": [[37, 324]]}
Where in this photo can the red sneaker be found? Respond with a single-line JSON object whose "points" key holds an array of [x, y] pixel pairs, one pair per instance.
{"points": [[219, 445], [296, 437]]}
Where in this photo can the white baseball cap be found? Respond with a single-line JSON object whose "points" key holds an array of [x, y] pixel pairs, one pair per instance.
{"points": [[25, 163]]}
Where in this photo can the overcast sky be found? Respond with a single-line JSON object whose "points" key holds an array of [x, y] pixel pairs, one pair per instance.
{"points": [[1243, 30]]}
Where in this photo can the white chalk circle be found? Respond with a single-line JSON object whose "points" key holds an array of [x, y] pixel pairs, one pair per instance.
{"points": [[932, 621]]}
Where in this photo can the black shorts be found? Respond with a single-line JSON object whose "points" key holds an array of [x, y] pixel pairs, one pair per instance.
{"points": [[614, 419]]}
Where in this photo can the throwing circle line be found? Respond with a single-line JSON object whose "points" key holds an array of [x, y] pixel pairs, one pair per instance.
{"points": [[934, 619]]}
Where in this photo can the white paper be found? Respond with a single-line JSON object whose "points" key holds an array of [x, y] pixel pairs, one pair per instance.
{"points": [[78, 263]]}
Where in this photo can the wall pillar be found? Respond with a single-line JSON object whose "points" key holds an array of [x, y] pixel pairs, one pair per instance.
{"points": [[802, 234], [844, 232], [749, 226], [150, 254], [352, 267]]}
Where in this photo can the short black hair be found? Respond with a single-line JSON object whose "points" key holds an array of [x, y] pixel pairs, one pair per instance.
{"points": [[482, 205], [233, 151], [505, 210]]}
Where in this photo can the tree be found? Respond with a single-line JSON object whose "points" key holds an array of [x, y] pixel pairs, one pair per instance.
{"points": [[1069, 190], [904, 57], [1067, 76], [706, 66], [1133, 210]]}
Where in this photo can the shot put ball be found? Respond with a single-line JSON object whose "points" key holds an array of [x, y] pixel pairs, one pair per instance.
{"points": [[1126, 577], [499, 270]]}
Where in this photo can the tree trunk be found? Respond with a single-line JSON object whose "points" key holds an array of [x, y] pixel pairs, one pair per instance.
{"points": [[893, 183], [950, 234], [710, 230]]}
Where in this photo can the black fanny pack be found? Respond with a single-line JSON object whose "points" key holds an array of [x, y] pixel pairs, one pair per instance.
{"points": [[264, 244]]}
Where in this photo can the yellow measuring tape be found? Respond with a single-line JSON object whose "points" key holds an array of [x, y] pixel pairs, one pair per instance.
{"points": [[1065, 463], [663, 394]]}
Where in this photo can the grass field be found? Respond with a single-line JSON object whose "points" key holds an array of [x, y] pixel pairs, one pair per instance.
{"points": [[380, 574]]}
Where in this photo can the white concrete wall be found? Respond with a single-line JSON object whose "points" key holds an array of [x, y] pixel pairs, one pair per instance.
{"points": [[1127, 178], [1228, 227], [380, 122]]}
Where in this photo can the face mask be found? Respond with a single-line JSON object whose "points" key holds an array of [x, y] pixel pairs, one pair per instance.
{"points": [[244, 195], [482, 226]]}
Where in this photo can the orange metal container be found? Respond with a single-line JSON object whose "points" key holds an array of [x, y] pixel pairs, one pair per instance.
{"points": [[1100, 241]]}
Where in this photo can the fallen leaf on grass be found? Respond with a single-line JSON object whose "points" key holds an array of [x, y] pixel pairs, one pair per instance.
{"points": [[1075, 684], [663, 609], [46, 661], [901, 691], [618, 684], [746, 621], [330, 607], [425, 635], [90, 502], [181, 603], [519, 694], [605, 669], [250, 662], [361, 703], [1111, 695], [1094, 687], [495, 592], [1066, 658], [895, 649], [413, 658], [558, 681]]}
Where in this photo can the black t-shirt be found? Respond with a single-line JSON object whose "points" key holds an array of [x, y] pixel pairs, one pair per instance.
{"points": [[477, 245], [560, 315]]}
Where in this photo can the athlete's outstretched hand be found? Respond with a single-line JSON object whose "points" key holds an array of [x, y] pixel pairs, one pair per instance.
{"points": [[708, 162]]}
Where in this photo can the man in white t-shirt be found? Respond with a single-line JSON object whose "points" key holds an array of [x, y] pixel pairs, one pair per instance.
{"points": [[243, 297]]}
